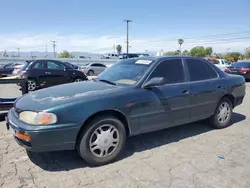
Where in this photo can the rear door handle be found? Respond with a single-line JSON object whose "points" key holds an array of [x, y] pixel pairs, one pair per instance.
{"points": [[47, 72], [219, 87], [185, 92]]}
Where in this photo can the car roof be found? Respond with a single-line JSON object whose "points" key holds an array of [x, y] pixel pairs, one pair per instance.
{"points": [[160, 58]]}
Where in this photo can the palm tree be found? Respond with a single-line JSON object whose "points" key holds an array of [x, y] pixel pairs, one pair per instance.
{"points": [[180, 41], [119, 49]]}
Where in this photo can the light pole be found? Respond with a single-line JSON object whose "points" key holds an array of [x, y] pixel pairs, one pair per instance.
{"points": [[18, 54], [127, 35], [54, 48]]}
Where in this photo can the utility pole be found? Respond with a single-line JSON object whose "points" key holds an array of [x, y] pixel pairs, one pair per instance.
{"points": [[127, 35], [18, 54], [46, 51], [54, 48]]}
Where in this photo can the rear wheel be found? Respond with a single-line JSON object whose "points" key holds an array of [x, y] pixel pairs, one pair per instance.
{"points": [[78, 80], [32, 85], [223, 114], [91, 73], [102, 141]]}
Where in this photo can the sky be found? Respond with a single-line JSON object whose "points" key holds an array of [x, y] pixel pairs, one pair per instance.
{"points": [[97, 25]]}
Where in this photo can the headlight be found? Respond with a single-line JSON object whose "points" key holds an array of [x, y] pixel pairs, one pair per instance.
{"points": [[38, 118]]}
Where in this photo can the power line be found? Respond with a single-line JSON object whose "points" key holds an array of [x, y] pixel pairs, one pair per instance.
{"points": [[202, 37]]}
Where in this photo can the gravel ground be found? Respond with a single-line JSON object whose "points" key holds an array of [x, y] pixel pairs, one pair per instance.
{"points": [[192, 155]]}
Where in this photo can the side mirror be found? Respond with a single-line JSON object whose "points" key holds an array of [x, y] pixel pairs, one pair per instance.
{"points": [[66, 68], [156, 81]]}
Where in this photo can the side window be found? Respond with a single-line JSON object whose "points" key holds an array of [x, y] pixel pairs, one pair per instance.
{"points": [[94, 65], [101, 65], [211, 71], [38, 65], [54, 65], [217, 62], [197, 70], [171, 70]]}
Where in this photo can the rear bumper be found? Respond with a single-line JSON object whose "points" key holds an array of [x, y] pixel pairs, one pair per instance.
{"points": [[56, 138], [246, 75], [238, 101]]}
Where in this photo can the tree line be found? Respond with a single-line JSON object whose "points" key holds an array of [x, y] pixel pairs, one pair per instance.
{"points": [[201, 51]]}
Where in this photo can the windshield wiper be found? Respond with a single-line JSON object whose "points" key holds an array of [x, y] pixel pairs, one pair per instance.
{"points": [[107, 81]]}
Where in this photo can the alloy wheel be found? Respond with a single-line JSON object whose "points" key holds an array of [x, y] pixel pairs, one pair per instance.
{"points": [[104, 141], [31, 85], [78, 80], [223, 112]]}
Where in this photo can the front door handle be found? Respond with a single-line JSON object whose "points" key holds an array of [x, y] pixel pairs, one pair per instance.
{"points": [[47, 72], [219, 87]]}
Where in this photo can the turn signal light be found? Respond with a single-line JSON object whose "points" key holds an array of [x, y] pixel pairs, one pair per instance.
{"points": [[23, 136], [227, 70]]}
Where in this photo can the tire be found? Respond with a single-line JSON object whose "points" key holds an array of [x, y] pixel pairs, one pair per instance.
{"points": [[78, 79], [217, 121], [98, 126], [32, 85], [91, 73]]}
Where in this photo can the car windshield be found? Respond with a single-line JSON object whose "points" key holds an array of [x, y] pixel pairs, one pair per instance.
{"points": [[241, 64], [126, 72]]}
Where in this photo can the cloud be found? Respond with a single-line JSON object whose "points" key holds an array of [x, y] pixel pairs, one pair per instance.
{"points": [[104, 44]]}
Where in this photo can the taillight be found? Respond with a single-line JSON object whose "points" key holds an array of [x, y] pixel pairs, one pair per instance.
{"points": [[245, 70], [83, 68], [21, 74], [227, 70]]}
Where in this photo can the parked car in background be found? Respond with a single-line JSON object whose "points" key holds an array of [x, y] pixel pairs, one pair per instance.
{"points": [[132, 55], [222, 64], [109, 56], [240, 68], [46, 73], [8, 69], [18, 67], [92, 69], [131, 97], [72, 65]]}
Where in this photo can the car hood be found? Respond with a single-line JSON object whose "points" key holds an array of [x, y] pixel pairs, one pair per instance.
{"points": [[47, 98]]}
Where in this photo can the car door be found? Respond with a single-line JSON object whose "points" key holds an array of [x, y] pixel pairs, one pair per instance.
{"points": [[205, 87], [168, 104], [96, 68], [101, 67], [36, 70], [56, 73]]}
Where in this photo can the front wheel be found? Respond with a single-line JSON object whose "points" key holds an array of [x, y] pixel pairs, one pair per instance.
{"points": [[223, 114], [102, 141]]}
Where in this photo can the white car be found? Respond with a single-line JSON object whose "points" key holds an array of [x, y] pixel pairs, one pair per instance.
{"points": [[222, 64], [92, 69], [110, 56], [17, 69]]}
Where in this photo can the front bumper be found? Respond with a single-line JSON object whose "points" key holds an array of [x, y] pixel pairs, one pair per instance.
{"points": [[42, 138]]}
